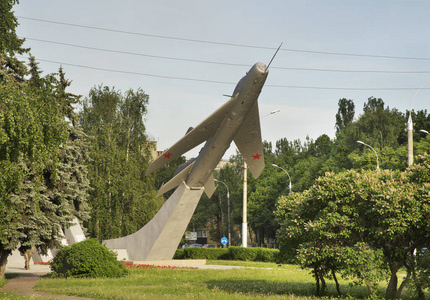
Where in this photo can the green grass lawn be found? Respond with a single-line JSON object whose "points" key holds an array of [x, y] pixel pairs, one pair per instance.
{"points": [[262, 281]]}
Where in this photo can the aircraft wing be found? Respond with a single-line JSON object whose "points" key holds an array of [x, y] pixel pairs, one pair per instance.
{"points": [[248, 142], [195, 137]]}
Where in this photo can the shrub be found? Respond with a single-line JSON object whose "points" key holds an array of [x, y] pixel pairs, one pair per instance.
{"points": [[194, 253], [240, 253], [253, 254], [267, 255], [206, 253], [201, 253], [179, 254], [231, 253], [87, 259]]}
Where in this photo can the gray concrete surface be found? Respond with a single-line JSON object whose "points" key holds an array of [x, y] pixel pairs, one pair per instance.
{"points": [[159, 239]]}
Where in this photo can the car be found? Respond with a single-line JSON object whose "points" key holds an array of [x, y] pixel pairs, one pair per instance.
{"points": [[191, 245], [209, 246]]}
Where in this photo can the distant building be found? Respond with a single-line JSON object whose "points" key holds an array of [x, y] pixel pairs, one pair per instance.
{"points": [[154, 152]]}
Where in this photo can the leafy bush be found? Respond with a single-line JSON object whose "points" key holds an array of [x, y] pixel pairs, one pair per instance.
{"points": [[194, 253], [87, 259], [253, 254], [201, 253], [179, 254], [231, 253], [240, 253], [267, 255], [205, 253]]}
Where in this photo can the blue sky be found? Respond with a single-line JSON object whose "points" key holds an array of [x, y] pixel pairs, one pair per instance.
{"points": [[331, 50]]}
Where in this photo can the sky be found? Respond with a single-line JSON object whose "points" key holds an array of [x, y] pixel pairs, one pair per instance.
{"points": [[187, 54]]}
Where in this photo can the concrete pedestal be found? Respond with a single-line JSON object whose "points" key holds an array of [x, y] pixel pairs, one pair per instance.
{"points": [[159, 239]]}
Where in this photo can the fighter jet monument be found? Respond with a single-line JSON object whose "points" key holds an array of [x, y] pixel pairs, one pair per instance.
{"points": [[237, 120]]}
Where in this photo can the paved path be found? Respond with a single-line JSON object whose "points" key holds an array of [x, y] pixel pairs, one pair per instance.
{"points": [[27, 279]]}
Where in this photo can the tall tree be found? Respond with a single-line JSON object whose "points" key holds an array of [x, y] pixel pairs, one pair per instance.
{"points": [[32, 130], [122, 198], [379, 126], [12, 70], [345, 114], [36, 199]]}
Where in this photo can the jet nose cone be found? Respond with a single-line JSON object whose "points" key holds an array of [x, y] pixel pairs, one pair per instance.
{"points": [[261, 67]]}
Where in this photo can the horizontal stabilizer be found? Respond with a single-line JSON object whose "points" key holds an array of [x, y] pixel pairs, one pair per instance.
{"points": [[175, 181]]}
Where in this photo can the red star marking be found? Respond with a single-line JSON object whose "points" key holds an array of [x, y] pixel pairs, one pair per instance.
{"points": [[256, 156], [167, 155]]}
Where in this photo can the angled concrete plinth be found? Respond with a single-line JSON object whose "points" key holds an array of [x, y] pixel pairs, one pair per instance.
{"points": [[74, 234], [160, 237]]}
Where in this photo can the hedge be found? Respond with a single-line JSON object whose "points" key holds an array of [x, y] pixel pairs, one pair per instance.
{"points": [[201, 253], [253, 254], [231, 253]]}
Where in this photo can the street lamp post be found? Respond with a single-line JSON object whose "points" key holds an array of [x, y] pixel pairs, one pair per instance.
{"points": [[285, 172], [410, 128], [245, 195], [377, 161], [228, 211], [424, 131], [244, 213], [271, 113]]}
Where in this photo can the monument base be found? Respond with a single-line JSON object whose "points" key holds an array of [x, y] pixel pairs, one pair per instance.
{"points": [[160, 237]]}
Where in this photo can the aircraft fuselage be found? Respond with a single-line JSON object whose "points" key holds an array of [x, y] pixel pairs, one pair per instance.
{"points": [[248, 90]]}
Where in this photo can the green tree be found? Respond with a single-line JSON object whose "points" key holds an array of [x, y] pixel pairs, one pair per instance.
{"points": [[263, 194], [55, 202], [385, 211], [345, 114], [122, 198], [379, 126], [31, 132], [36, 199], [12, 70]]}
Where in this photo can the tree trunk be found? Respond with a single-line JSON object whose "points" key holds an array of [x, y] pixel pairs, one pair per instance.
{"points": [[402, 285], [317, 282], [391, 291], [3, 261], [369, 287], [337, 283], [323, 284]]}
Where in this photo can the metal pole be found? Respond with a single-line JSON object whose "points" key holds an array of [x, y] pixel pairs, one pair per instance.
{"points": [[285, 172], [228, 219], [244, 221], [410, 128], [377, 161], [228, 211], [245, 192]]}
